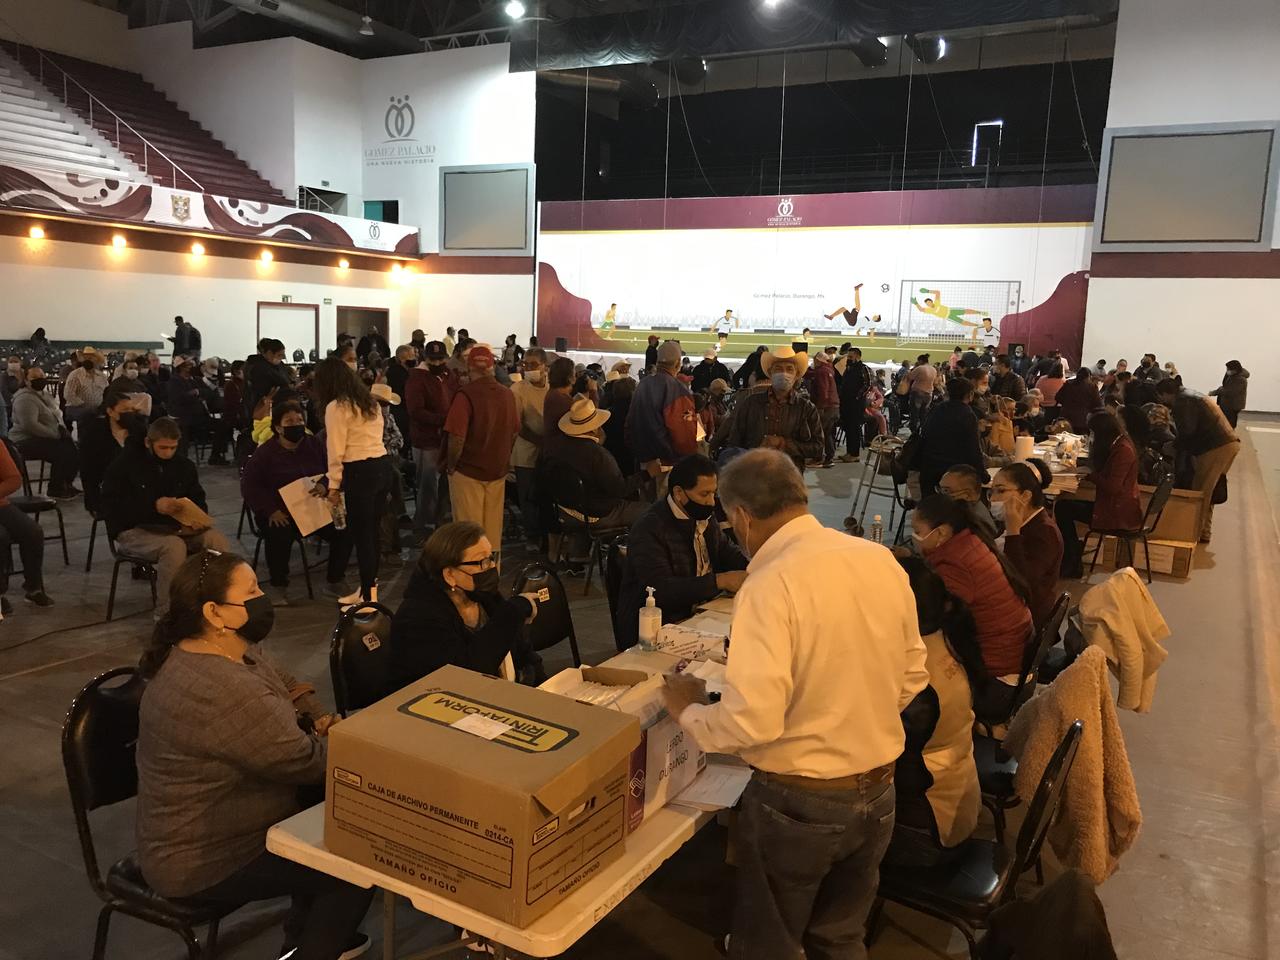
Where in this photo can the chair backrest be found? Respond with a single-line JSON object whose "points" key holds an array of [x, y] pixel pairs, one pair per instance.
{"points": [[360, 657], [554, 621], [99, 741], [1044, 804], [1038, 649], [21, 462], [1155, 506], [615, 557]]}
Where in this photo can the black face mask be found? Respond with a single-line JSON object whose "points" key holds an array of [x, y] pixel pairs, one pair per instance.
{"points": [[133, 422], [36, 385], [411, 363], [436, 367], [486, 581], [294, 434], [699, 511], [262, 616]]}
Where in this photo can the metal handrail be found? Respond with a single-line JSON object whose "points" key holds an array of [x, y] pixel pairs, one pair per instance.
{"points": [[306, 194], [120, 121]]}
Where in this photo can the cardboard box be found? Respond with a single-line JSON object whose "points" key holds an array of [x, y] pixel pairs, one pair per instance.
{"points": [[507, 826], [1167, 556], [1182, 518], [667, 759]]}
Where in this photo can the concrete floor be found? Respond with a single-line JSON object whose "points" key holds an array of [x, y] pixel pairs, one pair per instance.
{"points": [[1197, 884]]}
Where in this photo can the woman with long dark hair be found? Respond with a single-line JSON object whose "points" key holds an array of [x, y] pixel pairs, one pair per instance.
{"points": [[229, 744], [359, 474], [1032, 541], [1113, 463], [975, 571]]}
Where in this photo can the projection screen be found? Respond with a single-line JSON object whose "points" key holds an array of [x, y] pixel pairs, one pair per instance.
{"points": [[487, 210]]}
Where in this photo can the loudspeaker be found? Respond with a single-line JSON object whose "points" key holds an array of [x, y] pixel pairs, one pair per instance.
{"points": [[562, 344]]}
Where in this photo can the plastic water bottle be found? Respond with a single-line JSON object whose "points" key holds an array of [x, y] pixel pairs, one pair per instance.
{"points": [[339, 511], [877, 529], [650, 622]]}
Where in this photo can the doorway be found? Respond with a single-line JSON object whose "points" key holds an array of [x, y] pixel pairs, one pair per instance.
{"points": [[296, 325], [357, 321]]}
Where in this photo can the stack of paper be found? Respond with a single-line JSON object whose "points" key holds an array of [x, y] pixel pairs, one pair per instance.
{"points": [[718, 787], [720, 605]]}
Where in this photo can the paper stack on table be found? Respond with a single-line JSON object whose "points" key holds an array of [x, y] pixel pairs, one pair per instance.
{"points": [[694, 641], [309, 513], [718, 787], [721, 605]]}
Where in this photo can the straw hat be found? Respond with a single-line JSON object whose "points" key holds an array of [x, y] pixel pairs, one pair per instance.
{"points": [[583, 418], [91, 353], [769, 357], [384, 393]]}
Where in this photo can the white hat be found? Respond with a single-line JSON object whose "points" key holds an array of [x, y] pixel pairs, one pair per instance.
{"points": [[710, 354], [384, 393], [770, 357], [582, 418]]}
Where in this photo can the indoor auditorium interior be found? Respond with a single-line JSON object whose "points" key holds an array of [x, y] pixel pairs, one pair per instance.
{"points": [[893, 576]]}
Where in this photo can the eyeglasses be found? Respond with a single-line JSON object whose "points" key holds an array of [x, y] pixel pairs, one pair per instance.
{"points": [[1001, 488], [485, 563]]}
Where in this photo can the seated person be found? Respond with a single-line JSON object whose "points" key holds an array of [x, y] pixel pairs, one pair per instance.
{"points": [[776, 417], [582, 455], [938, 797], [453, 612], [677, 548], [1032, 541], [122, 419], [963, 484], [977, 573], [1113, 464], [183, 401], [289, 456], [36, 428], [1036, 419], [16, 526], [228, 743], [140, 494]]}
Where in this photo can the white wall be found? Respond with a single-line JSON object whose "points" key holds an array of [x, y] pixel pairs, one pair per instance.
{"points": [[326, 122], [69, 26], [488, 307], [1199, 324]]}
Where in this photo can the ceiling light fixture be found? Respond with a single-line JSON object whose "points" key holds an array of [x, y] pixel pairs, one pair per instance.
{"points": [[119, 242], [266, 256], [36, 232], [514, 9], [197, 249], [366, 26]]}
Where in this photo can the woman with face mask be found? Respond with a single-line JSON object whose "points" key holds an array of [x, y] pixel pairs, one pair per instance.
{"points": [[121, 419], [453, 613], [1032, 541], [229, 744], [975, 571]]}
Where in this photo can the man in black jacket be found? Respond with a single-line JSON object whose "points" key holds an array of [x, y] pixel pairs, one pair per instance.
{"points": [[1204, 433], [950, 436], [1005, 382], [140, 502], [854, 385], [677, 548], [708, 370], [185, 340], [264, 372], [585, 479]]}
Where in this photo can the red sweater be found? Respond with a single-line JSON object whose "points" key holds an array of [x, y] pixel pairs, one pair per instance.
{"points": [[1116, 505], [974, 574], [10, 476], [1036, 552]]}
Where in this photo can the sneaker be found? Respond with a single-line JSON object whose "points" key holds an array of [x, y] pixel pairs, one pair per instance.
{"points": [[848, 458], [356, 596], [39, 598]]}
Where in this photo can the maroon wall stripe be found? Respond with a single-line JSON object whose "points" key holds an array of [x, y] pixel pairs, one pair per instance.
{"points": [[1053, 204], [1263, 264]]}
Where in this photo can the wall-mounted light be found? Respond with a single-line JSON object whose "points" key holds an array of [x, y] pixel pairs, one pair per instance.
{"points": [[514, 9], [197, 249], [396, 268], [36, 232], [119, 242], [266, 256], [344, 264]]}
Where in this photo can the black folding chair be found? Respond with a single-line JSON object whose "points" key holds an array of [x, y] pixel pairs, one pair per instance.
{"points": [[360, 656], [302, 552], [34, 504], [574, 519], [554, 621], [1150, 520], [121, 558], [982, 875], [99, 739], [615, 558]]}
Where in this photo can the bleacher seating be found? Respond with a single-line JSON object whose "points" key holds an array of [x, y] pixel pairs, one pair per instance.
{"points": [[168, 128], [34, 133]]}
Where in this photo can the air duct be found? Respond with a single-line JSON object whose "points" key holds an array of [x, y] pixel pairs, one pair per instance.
{"points": [[336, 24]]}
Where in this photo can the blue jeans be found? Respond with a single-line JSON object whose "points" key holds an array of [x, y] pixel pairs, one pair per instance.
{"points": [[808, 869], [427, 508]]}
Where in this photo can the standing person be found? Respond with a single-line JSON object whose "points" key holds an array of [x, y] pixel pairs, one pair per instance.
{"points": [[1020, 363], [17, 527], [358, 472], [950, 436], [450, 341], [662, 424], [855, 385], [372, 341], [1005, 381], [82, 391], [38, 432], [778, 417], [1078, 399], [749, 373], [920, 384], [393, 441], [811, 700], [1204, 433], [479, 433], [418, 343], [428, 395], [709, 369], [651, 353], [226, 740], [398, 380], [264, 372], [140, 495], [1233, 392], [185, 340], [512, 353], [1116, 504], [823, 393], [530, 395]]}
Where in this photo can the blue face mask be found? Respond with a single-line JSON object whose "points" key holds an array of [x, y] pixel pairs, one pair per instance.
{"points": [[782, 381]]}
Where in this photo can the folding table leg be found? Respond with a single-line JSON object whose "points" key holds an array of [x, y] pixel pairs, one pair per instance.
{"points": [[388, 925]]}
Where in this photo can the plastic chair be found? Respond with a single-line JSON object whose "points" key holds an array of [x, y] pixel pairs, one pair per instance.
{"points": [[302, 550], [595, 531], [360, 657], [982, 874], [554, 621], [1150, 520], [34, 504], [99, 740]]}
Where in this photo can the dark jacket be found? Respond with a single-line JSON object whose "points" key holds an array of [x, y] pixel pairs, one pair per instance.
{"points": [[705, 372], [797, 422], [1021, 365], [1036, 551], [660, 554], [950, 436], [1077, 399], [854, 386], [272, 467], [260, 375], [427, 632], [1235, 388], [750, 367], [186, 341], [427, 397], [136, 480], [650, 356], [603, 485], [98, 450], [370, 342], [821, 381], [661, 424], [182, 400], [1200, 424], [615, 435], [1008, 385]]}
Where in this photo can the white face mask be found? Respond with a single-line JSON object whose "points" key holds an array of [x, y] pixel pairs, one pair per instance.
{"points": [[131, 374], [997, 510], [536, 377]]}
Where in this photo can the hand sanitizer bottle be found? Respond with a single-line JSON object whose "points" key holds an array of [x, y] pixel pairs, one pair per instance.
{"points": [[650, 622]]}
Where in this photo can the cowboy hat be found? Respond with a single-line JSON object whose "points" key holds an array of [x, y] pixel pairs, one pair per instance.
{"points": [[582, 418], [383, 392], [769, 357], [91, 352]]}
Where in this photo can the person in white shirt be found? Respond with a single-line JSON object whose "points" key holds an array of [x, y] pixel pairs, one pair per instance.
{"points": [[83, 389], [359, 474], [812, 701]]}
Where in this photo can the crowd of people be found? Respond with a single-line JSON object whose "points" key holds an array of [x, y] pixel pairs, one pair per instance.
{"points": [[702, 470]]}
